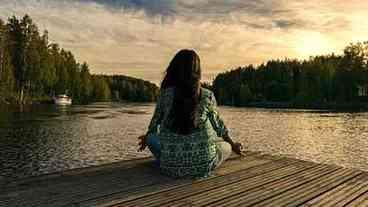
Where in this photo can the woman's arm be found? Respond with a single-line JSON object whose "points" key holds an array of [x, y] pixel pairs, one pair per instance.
{"points": [[153, 125], [156, 118], [216, 121], [220, 128]]}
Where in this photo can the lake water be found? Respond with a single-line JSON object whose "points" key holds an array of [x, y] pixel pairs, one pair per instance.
{"points": [[50, 138]]}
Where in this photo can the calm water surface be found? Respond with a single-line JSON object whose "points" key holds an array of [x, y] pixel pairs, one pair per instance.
{"points": [[50, 138]]}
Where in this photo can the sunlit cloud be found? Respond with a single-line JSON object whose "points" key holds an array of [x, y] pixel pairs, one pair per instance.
{"points": [[139, 37]]}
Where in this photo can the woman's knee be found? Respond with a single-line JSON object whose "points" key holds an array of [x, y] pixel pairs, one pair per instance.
{"points": [[153, 144], [224, 146], [152, 140], [225, 149]]}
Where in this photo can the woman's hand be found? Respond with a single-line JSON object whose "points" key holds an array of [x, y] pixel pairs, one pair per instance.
{"points": [[142, 143], [238, 148]]}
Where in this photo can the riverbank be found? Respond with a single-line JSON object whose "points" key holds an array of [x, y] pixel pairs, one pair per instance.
{"points": [[356, 106], [11, 104], [254, 180], [13, 100]]}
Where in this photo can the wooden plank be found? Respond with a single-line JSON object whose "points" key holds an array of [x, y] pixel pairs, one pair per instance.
{"points": [[219, 192], [361, 201], [58, 186], [296, 161], [83, 194], [199, 186], [87, 172], [232, 166], [239, 164], [341, 195], [250, 189], [283, 161], [272, 194], [310, 190], [61, 193], [256, 180], [126, 164], [66, 180], [63, 190]]}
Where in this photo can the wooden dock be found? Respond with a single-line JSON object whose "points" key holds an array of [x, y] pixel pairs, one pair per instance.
{"points": [[255, 180]]}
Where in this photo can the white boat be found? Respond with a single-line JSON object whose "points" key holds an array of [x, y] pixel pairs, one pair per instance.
{"points": [[62, 100]]}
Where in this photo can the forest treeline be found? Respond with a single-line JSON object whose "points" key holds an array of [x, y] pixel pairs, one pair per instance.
{"points": [[33, 69], [328, 80]]}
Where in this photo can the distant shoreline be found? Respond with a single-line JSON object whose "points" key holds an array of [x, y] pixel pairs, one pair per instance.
{"points": [[36, 104], [359, 106], [267, 105]]}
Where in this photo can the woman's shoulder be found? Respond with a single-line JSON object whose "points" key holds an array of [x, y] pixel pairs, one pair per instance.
{"points": [[208, 94], [166, 92]]}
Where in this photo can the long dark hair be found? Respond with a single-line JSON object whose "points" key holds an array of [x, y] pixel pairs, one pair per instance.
{"points": [[183, 74]]}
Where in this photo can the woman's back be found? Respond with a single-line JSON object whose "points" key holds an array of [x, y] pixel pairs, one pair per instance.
{"points": [[185, 130], [192, 154]]}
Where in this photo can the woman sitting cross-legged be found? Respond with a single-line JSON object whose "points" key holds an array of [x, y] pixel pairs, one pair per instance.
{"points": [[186, 134]]}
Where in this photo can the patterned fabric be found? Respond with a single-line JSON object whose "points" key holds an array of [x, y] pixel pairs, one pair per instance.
{"points": [[190, 155]]}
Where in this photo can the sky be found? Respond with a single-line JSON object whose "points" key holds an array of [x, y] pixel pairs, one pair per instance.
{"points": [[140, 37]]}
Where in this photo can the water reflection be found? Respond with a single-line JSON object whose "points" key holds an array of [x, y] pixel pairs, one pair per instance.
{"points": [[49, 138], [325, 137]]}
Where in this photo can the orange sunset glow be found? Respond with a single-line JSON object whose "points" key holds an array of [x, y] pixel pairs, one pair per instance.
{"points": [[138, 38]]}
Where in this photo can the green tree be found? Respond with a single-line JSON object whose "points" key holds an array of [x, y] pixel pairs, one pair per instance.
{"points": [[321, 79], [17, 41], [101, 88], [6, 68], [245, 95], [86, 84]]}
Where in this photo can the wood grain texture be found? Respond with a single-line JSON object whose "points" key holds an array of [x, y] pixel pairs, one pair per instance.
{"points": [[254, 180]]}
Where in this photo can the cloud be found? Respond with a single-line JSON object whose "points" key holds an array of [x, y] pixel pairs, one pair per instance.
{"points": [[283, 24], [151, 7], [189, 7], [139, 37]]}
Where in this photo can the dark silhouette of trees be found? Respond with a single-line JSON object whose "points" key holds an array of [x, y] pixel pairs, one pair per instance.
{"points": [[132, 89], [32, 69], [321, 80], [7, 78]]}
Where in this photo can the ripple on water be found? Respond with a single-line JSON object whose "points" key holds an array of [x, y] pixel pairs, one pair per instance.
{"points": [[54, 139]]}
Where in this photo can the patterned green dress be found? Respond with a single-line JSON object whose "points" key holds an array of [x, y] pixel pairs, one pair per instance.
{"points": [[192, 155]]}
